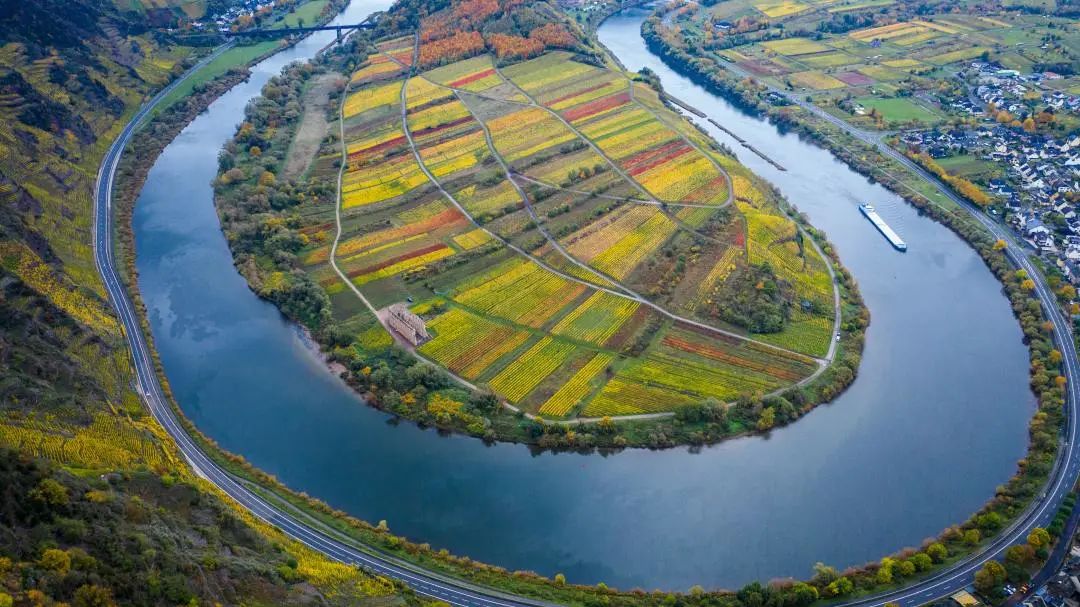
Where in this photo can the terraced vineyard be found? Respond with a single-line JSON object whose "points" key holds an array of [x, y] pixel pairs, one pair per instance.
{"points": [[566, 237]]}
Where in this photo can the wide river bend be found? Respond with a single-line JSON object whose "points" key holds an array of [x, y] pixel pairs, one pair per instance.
{"points": [[936, 420]]}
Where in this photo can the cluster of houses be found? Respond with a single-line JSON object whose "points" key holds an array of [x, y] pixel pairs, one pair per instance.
{"points": [[588, 6], [1042, 171], [1063, 588], [1008, 90], [1039, 185], [223, 22]]}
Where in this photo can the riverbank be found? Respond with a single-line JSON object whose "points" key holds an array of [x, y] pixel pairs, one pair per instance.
{"points": [[1046, 378]]}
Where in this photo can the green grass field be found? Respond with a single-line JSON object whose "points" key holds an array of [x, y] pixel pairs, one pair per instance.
{"points": [[233, 58], [306, 15], [899, 110], [968, 166]]}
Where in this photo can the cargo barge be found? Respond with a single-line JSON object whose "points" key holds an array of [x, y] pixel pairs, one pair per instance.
{"points": [[886, 231]]}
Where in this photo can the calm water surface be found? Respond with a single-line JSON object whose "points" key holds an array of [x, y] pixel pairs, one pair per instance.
{"points": [[935, 421]]}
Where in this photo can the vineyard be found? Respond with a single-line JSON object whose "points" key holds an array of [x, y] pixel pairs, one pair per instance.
{"points": [[548, 220]]}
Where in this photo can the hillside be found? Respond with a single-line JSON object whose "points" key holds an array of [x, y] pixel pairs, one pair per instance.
{"points": [[114, 516], [142, 539], [576, 249], [67, 80]]}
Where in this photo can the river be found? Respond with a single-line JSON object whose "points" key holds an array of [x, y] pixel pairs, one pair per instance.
{"points": [[936, 420]]}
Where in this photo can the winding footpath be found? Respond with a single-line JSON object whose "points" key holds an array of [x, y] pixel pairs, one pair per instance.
{"points": [[458, 592]]}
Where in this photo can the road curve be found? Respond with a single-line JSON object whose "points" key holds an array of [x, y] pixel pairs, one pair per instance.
{"points": [[458, 592]]}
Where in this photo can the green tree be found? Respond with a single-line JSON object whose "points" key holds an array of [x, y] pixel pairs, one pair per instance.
{"points": [[804, 593], [922, 561], [885, 572], [937, 551], [824, 574], [49, 493], [972, 537], [991, 521], [752, 594], [840, 587], [6, 600]]}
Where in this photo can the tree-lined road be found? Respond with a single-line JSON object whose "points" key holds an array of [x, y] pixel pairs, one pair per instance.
{"points": [[459, 592]]}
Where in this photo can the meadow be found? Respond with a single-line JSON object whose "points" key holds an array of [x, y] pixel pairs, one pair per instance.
{"points": [[562, 233]]}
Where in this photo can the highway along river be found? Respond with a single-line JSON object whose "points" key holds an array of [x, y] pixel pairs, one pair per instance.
{"points": [[936, 420]]}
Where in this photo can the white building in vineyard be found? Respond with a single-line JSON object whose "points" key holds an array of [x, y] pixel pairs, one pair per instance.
{"points": [[406, 324]]}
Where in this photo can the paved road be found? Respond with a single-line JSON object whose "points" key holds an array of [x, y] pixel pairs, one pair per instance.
{"points": [[461, 593]]}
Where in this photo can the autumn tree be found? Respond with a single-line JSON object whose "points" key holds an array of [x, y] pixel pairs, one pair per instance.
{"points": [[767, 419], [840, 587], [452, 48], [553, 35], [55, 560], [89, 595], [1020, 554], [1039, 537], [990, 576], [508, 46]]}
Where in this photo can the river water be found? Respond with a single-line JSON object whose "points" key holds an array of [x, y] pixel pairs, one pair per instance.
{"points": [[935, 421]]}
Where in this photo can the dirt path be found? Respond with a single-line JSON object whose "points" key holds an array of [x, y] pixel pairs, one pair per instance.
{"points": [[312, 127]]}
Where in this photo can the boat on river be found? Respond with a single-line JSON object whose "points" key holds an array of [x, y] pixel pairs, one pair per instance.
{"points": [[886, 231]]}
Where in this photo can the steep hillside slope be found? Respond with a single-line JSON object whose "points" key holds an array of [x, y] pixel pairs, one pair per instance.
{"points": [[113, 516], [69, 74]]}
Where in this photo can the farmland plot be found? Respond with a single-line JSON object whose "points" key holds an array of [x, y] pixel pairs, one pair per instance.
{"points": [[515, 206]]}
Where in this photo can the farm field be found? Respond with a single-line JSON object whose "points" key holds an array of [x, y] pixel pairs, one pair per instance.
{"points": [[562, 234], [900, 110], [865, 60]]}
